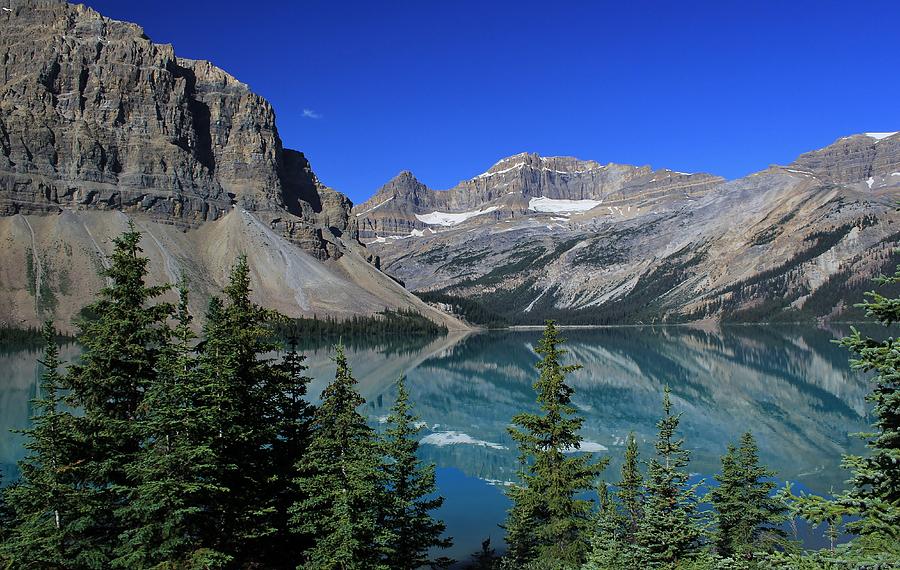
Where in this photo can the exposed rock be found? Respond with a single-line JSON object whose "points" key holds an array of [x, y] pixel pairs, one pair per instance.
{"points": [[854, 159], [557, 237], [99, 125], [510, 185], [96, 115], [49, 263]]}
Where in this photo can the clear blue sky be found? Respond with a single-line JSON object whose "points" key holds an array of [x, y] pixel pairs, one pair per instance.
{"points": [[446, 88]]}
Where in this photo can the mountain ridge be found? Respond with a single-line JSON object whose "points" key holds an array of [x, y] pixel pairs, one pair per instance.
{"points": [[663, 245]]}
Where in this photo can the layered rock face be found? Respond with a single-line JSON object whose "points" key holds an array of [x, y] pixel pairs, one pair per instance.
{"points": [[96, 115], [855, 159], [534, 237], [510, 185], [99, 125]]}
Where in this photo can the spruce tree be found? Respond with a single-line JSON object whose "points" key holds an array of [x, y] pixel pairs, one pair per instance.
{"points": [[669, 532], [165, 512], [547, 523], [122, 339], [339, 477], [43, 506], [747, 516], [486, 558], [874, 494], [237, 380], [411, 489], [608, 546], [630, 488], [291, 416], [5, 522]]}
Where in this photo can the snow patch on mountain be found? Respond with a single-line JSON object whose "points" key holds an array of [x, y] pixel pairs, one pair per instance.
{"points": [[375, 207], [881, 136], [554, 206], [505, 170], [452, 219]]}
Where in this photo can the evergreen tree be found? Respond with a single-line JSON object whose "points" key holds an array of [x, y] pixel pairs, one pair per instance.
{"points": [[237, 382], [411, 492], [5, 522], [339, 476], [874, 494], [122, 339], [547, 522], [630, 488], [43, 504], [669, 532], [292, 416], [747, 516], [165, 513], [608, 547], [486, 558]]}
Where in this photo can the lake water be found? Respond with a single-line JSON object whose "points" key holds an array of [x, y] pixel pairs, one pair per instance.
{"points": [[791, 386]]}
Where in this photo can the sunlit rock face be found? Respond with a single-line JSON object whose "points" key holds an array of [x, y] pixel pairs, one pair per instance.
{"points": [[790, 386], [95, 115], [100, 126], [537, 237], [518, 186]]}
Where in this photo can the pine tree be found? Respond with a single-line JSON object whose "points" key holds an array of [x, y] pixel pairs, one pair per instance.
{"points": [[165, 512], [608, 547], [339, 476], [42, 505], [547, 522], [747, 516], [874, 494], [669, 532], [411, 493], [122, 340]]}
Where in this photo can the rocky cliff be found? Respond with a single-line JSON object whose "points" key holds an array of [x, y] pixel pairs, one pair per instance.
{"points": [[95, 115], [99, 124], [508, 188], [582, 242]]}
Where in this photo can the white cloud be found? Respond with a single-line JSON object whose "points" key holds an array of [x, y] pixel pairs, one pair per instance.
{"points": [[310, 114]]}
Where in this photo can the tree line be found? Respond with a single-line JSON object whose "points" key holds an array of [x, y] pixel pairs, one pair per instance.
{"points": [[387, 322], [164, 448]]}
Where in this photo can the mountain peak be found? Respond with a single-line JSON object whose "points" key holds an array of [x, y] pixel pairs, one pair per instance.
{"points": [[404, 175], [534, 161]]}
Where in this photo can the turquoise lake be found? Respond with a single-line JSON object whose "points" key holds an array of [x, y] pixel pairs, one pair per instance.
{"points": [[791, 386]]}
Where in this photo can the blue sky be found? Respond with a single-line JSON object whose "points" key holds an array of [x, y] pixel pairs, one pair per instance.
{"points": [[445, 89]]}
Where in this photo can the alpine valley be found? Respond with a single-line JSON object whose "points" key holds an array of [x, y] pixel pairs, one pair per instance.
{"points": [[100, 126]]}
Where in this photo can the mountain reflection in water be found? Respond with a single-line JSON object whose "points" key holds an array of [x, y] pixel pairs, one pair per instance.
{"points": [[791, 386]]}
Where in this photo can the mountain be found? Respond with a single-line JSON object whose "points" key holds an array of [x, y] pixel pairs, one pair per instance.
{"points": [[100, 126], [556, 237]]}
